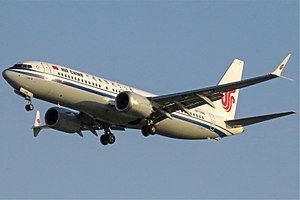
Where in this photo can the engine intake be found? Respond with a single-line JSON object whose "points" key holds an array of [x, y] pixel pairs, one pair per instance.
{"points": [[134, 104], [63, 120]]}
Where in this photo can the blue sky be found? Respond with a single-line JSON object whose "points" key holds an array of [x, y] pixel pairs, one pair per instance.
{"points": [[162, 47]]}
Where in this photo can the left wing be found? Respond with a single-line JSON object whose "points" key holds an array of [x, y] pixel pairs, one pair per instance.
{"points": [[88, 123], [187, 100]]}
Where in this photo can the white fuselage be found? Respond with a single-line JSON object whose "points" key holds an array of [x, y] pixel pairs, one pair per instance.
{"points": [[95, 96]]}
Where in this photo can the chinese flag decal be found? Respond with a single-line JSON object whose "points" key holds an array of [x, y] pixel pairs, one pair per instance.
{"points": [[54, 67]]}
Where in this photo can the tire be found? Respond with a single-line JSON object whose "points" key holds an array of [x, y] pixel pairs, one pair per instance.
{"points": [[152, 129], [29, 107], [103, 140], [111, 138], [145, 131]]}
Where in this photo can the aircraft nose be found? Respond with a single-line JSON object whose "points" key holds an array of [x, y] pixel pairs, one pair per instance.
{"points": [[5, 74], [8, 76]]}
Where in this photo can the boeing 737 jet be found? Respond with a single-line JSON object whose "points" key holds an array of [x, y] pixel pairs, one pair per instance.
{"points": [[90, 103]]}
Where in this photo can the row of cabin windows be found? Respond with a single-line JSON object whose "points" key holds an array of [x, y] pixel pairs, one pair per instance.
{"points": [[198, 116], [90, 83], [195, 115]]}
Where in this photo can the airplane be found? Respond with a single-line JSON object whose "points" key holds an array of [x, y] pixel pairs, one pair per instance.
{"points": [[89, 103]]}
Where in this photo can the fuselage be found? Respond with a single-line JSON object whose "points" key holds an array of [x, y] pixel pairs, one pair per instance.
{"points": [[95, 96]]}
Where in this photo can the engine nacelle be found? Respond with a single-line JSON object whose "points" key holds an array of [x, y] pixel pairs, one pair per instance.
{"points": [[63, 120], [134, 104]]}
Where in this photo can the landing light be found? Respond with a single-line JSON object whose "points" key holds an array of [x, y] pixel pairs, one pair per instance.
{"points": [[48, 77]]}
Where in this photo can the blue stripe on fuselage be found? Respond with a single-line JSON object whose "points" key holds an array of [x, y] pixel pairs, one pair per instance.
{"points": [[65, 83], [219, 132]]}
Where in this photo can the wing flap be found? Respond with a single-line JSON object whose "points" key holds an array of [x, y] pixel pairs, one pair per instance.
{"points": [[236, 123]]}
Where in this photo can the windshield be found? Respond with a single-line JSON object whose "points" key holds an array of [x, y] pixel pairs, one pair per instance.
{"points": [[21, 66]]}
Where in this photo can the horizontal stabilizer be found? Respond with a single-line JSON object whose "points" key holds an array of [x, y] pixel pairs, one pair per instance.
{"points": [[253, 120]]}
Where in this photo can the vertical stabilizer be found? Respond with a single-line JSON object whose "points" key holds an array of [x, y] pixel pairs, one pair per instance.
{"points": [[226, 106]]}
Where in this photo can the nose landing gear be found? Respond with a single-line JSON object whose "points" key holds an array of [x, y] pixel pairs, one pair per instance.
{"points": [[29, 106], [28, 96]]}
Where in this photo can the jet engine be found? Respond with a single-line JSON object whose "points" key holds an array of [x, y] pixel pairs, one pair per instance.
{"points": [[133, 104], [62, 119]]}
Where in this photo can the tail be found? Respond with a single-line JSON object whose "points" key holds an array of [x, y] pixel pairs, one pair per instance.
{"points": [[226, 106]]}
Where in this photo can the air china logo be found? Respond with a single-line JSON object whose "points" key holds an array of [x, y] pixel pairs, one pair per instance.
{"points": [[227, 100], [281, 67]]}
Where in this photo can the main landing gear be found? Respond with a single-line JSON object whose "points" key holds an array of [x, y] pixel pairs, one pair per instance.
{"points": [[149, 129], [107, 137]]}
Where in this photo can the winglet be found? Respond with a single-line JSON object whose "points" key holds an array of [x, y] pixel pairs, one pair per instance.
{"points": [[37, 121], [37, 127], [282, 65]]}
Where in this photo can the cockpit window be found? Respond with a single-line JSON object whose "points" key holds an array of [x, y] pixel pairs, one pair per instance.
{"points": [[22, 66]]}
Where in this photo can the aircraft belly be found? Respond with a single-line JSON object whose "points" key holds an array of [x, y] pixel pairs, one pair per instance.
{"points": [[180, 129]]}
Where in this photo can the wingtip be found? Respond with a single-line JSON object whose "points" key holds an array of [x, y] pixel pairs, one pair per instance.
{"points": [[282, 65]]}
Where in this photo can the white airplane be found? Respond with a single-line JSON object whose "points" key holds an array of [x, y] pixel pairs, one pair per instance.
{"points": [[207, 113]]}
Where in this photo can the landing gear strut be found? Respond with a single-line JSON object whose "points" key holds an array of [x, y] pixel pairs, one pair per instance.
{"points": [[107, 137]]}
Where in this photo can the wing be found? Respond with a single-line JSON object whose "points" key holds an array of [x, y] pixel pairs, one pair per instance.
{"points": [[184, 101], [89, 123]]}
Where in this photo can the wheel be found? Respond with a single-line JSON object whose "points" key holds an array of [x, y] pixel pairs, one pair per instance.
{"points": [[145, 131], [29, 107], [103, 140], [152, 129], [111, 138]]}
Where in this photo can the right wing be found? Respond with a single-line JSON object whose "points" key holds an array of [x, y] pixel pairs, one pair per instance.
{"points": [[184, 101]]}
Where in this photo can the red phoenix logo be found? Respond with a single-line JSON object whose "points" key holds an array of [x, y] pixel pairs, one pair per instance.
{"points": [[227, 100], [281, 67]]}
